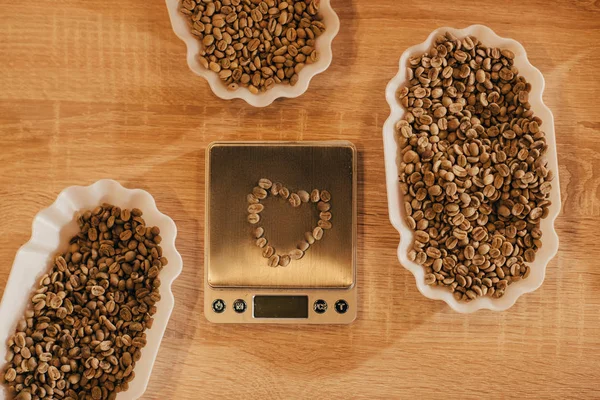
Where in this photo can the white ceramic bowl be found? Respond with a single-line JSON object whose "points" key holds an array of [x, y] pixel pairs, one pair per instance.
{"points": [[549, 238], [51, 230], [181, 27]]}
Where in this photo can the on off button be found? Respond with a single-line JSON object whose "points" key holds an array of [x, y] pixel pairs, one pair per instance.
{"points": [[218, 306]]}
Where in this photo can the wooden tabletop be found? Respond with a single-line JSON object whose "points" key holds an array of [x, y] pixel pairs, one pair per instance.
{"points": [[92, 90]]}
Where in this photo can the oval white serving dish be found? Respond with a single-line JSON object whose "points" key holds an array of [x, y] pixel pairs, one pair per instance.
{"points": [[181, 27], [549, 238], [51, 230]]}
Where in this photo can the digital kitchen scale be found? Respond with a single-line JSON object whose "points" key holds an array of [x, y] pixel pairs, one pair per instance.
{"points": [[239, 284]]}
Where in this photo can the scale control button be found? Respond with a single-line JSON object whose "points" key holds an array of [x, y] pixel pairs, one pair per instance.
{"points": [[341, 306], [239, 306], [218, 306], [320, 306]]}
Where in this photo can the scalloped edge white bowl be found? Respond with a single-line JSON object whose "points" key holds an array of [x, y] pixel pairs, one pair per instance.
{"points": [[181, 28], [549, 238], [51, 230]]}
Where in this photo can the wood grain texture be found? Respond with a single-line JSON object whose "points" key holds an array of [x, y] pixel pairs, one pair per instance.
{"points": [[92, 90]]}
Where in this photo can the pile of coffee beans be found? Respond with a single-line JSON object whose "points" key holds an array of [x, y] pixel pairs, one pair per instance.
{"points": [[82, 334], [472, 168], [255, 43]]}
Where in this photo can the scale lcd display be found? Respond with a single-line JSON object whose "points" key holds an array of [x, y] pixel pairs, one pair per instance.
{"points": [[280, 306]]}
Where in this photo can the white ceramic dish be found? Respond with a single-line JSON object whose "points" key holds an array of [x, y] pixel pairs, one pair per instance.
{"points": [[180, 25], [549, 238], [51, 230]]}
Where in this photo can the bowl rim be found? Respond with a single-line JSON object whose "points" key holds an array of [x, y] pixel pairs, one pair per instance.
{"points": [[180, 26], [393, 188], [41, 218]]}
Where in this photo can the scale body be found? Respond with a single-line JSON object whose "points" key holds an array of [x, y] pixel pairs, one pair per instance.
{"points": [[239, 286]]}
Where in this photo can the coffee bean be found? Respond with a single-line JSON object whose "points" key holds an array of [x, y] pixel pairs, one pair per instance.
{"points": [[255, 208], [265, 183], [268, 252], [284, 260], [284, 192], [324, 224], [315, 196], [325, 196], [253, 218], [303, 245], [125, 236], [10, 375], [309, 237], [322, 206], [274, 261], [295, 200], [430, 279], [276, 188], [252, 199], [296, 254], [258, 232], [304, 196], [97, 290], [325, 215], [259, 193], [318, 233]]}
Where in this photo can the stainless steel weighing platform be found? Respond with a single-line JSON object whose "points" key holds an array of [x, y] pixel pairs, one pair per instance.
{"points": [[240, 287]]}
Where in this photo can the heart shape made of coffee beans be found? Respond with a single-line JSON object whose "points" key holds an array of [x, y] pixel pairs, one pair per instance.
{"points": [[265, 188]]}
